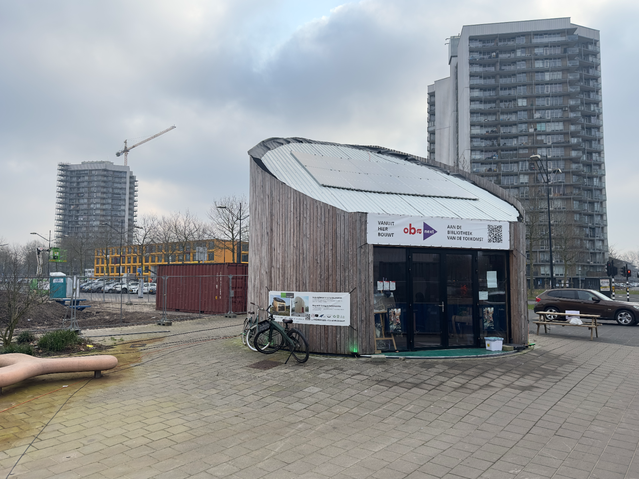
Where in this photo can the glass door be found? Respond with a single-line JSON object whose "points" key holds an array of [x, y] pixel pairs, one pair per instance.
{"points": [[427, 301], [459, 300]]}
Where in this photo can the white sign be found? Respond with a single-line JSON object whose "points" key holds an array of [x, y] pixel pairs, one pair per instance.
{"points": [[327, 309], [437, 232]]}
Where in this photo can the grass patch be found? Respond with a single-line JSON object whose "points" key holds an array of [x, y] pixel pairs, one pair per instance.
{"points": [[59, 340], [18, 348]]}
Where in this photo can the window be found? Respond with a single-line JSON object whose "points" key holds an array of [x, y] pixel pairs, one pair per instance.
{"points": [[523, 179], [211, 256], [546, 76], [549, 88], [521, 102]]}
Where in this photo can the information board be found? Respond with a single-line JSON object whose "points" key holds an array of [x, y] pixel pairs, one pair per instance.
{"points": [[328, 309]]}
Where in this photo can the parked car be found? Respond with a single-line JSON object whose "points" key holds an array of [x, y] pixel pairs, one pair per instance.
{"points": [[586, 301], [152, 288]]}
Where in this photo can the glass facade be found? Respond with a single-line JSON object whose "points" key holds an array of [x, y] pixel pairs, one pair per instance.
{"points": [[436, 298]]}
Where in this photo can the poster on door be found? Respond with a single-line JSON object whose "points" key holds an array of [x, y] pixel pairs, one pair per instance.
{"points": [[328, 309], [437, 232]]}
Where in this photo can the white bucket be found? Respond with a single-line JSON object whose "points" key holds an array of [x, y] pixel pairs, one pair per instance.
{"points": [[494, 344]]}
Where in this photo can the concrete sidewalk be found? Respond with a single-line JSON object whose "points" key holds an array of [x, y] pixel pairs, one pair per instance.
{"points": [[196, 403]]}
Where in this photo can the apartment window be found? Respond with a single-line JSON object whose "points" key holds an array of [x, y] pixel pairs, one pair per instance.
{"points": [[509, 180], [521, 102], [522, 115], [211, 256], [524, 179], [522, 90], [546, 76], [549, 88]]}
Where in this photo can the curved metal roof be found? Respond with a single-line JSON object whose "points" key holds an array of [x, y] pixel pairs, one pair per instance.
{"points": [[314, 168]]}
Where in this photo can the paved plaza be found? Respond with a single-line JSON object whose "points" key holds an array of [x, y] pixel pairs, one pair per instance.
{"points": [[190, 401]]}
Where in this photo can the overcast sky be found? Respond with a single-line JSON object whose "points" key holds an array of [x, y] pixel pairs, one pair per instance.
{"points": [[79, 77]]}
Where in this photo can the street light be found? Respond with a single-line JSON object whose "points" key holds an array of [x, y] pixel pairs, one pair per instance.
{"points": [[48, 250], [546, 179]]}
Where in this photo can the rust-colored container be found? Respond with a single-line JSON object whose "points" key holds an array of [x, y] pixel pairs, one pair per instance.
{"points": [[202, 288]]}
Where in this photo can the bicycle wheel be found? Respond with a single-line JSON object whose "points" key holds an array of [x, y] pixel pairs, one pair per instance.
{"points": [[250, 337], [269, 341], [299, 345], [245, 330]]}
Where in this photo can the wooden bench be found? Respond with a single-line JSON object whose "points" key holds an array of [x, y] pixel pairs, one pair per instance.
{"points": [[592, 324]]}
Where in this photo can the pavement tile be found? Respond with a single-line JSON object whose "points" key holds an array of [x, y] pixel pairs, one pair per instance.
{"points": [[193, 408]]}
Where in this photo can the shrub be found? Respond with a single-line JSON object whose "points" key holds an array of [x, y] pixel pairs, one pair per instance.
{"points": [[58, 340], [18, 348], [26, 337]]}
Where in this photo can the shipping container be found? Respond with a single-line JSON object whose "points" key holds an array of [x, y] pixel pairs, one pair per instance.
{"points": [[202, 288]]}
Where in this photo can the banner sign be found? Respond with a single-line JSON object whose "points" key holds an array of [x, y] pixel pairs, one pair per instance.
{"points": [[437, 232], [326, 309]]}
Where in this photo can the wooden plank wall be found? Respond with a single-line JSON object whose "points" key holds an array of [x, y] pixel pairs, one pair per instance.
{"points": [[300, 244], [518, 291]]}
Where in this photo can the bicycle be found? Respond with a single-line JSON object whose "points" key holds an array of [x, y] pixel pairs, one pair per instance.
{"points": [[271, 337], [250, 330]]}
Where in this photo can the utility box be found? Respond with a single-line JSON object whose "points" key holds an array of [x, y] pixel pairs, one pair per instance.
{"points": [[59, 287]]}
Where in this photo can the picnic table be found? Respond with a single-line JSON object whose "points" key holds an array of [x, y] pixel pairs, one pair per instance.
{"points": [[588, 321]]}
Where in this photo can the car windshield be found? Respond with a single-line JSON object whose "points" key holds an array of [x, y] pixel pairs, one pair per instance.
{"points": [[601, 296]]}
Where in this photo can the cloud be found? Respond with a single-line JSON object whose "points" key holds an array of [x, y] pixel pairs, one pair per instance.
{"points": [[83, 76]]}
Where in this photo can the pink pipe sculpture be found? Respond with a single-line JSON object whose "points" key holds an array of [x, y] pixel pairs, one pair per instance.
{"points": [[16, 367]]}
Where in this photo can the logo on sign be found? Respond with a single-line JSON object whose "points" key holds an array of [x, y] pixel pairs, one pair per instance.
{"points": [[428, 231]]}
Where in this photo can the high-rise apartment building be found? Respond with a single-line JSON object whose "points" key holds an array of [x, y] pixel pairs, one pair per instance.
{"points": [[92, 195], [520, 89]]}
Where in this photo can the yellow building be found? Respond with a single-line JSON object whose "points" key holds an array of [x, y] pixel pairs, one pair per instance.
{"points": [[136, 258]]}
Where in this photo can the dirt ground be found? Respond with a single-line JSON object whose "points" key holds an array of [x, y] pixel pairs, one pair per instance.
{"points": [[50, 315]]}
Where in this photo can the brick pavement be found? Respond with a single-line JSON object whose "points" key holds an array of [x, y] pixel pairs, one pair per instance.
{"points": [[191, 405]]}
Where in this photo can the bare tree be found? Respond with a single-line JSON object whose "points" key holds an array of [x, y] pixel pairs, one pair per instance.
{"points": [[187, 229], [164, 234], [567, 242], [230, 221], [18, 292], [144, 233]]}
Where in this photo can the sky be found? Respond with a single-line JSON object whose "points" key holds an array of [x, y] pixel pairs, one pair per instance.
{"points": [[77, 78]]}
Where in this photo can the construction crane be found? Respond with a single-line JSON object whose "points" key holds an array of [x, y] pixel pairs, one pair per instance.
{"points": [[126, 149]]}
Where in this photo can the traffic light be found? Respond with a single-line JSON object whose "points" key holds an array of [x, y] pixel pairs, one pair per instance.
{"points": [[628, 273], [609, 268]]}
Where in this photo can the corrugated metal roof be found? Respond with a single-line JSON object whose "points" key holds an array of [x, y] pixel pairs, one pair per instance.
{"points": [[283, 165]]}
